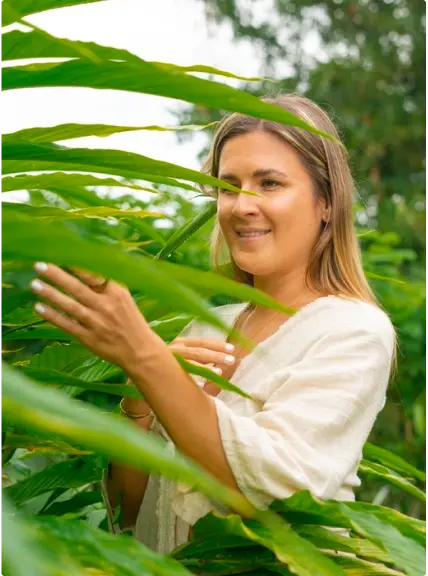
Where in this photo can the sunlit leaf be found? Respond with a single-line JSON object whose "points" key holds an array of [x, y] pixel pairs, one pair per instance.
{"points": [[150, 79], [70, 131]]}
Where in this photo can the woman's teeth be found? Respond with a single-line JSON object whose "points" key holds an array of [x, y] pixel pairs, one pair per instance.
{"points": [[253, 234]]}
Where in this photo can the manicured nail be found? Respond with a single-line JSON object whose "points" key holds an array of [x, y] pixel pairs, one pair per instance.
{"points": [[40, 266], [229, 359], [217, 370], [39, 308], [36, 285], [230, 347]]}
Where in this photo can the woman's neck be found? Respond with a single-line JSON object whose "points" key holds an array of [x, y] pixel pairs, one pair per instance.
{"points": [[288, 289]]}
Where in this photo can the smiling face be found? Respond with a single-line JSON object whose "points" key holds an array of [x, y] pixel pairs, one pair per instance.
{"points": [[273, 234]]}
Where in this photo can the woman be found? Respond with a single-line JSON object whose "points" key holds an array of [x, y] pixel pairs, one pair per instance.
{"points": [[322, 380]]}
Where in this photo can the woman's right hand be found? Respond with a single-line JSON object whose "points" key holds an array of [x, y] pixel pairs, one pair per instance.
{"points": [[207, 352]]}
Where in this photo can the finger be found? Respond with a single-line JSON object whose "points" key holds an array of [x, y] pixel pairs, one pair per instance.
{"points": [[215, 369], [210, 343], [203, 355], [91, 280], [59, 300], [50, 315], [68, 283]]}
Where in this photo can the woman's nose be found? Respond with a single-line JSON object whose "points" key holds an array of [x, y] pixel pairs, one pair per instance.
{"points": [[245, 204]]}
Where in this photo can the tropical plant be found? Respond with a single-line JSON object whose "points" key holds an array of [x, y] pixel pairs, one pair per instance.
{"points": [[59, 401]]}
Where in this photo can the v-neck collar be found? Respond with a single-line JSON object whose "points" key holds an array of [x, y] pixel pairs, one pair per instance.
{"points": [[283, 328]]}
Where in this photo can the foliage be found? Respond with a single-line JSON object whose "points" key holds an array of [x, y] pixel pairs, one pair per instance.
{"points": [[59, 422]]}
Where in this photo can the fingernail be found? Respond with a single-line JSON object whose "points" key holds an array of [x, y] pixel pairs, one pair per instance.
{"points": [[217, 370], [39, 308], [230, 347], [40, 266], [36, 285], [229, 359]]}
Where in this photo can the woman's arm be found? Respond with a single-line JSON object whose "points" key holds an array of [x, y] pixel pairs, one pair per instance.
{"points": [[124, 485], [187, 413]]}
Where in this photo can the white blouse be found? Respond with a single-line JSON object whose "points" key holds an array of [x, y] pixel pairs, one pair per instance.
{"points": [[317, 385]]}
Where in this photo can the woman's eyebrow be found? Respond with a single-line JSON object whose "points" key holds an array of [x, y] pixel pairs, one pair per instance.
{"points": [[256, 173]]}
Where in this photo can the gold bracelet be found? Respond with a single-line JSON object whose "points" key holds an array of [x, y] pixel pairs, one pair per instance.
{"points": [[133, 416]]}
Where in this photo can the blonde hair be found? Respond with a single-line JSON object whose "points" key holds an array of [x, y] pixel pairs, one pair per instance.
{"points": [[335, 266]]}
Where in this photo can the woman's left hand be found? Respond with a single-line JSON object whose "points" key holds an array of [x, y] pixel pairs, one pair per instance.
{"points": [[101, 315]]}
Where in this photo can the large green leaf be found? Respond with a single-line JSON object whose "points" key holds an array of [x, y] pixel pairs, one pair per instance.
{"points": [[24, 555], [304, 508], [61, 357], [52, 213], [70, 131], [39, 44], [71, 473], [73, 504], [113, 555], [65, 380], [298, 554], [10, 8], [148, 79], [403, 552], [68, 181], [25, 240], [53, 413], [115, 162], [18, 166], [34, 443]]}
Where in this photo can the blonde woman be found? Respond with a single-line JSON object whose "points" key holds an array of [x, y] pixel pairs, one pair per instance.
{"points": [[322, 379]]}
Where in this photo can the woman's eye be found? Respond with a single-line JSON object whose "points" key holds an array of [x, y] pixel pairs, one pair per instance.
{"points": [[269, 183]]}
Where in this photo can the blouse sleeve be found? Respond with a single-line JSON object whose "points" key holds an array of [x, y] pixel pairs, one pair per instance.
{"points": [[311, 430]]}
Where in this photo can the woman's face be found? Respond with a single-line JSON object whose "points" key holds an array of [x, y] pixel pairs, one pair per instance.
{"points": [[276, 232]]}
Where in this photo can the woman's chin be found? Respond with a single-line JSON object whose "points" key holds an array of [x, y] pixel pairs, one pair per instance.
{"points": [[253, 265]]}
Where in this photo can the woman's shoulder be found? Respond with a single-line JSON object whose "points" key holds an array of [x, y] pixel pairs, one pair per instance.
{"points": [[350, 316]]}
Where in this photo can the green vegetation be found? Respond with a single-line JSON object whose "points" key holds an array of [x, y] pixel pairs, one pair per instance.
{"points": [[60, 422]]}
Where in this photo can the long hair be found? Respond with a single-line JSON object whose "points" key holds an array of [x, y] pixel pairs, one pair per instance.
{"points": [[335, 266]]}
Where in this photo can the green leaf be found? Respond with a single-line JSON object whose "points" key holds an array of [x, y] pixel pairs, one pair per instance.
{"points": [[115, 555], [391, 477], [403, 552], [387, 458], [301, 557], [37, 560], [71, 473], [60, 379], [39, 44], [41, 333], [69, 131], [61, 357], [25, 240], [73, 504], [150, 79], [69, 181], [212, 376], [117, 162], [13, 10], [34, 443], [51, 213], [305, 508], [182, 234], [53, 413]]}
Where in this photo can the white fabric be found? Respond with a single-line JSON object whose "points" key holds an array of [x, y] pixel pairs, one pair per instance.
{"points": [[318, 384]]}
